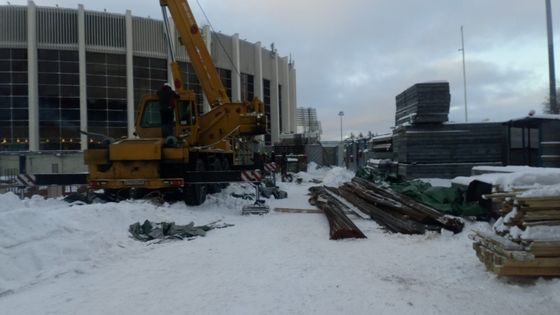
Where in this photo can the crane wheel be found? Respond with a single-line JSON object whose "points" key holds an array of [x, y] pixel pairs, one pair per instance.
{"points": [[216, 165], [225, 166], [195, 194]]}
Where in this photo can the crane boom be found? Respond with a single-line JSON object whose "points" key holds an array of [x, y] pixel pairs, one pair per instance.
{"points": [[199, 55]]}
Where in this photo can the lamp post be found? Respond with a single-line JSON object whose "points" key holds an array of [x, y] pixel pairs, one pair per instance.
{"points": [[464, 74], [551, 72], [341, 114]]}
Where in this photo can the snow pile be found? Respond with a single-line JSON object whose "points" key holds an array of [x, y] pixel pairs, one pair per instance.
{"points": [[314, 171], [525, 177], [337, 176], [9, 201], [41, 239], [332, 176], [62, 259]]}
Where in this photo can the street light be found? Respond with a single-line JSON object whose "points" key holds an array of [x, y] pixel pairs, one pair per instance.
{"points": [[341, 113], [462, 49]]}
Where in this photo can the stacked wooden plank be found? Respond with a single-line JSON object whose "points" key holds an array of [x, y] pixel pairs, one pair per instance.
{"points": [[396, 212], [448, 150], [340, 225], [423, 103], [527, 236]]}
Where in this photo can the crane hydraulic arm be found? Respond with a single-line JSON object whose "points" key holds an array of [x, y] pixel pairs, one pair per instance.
{"points": [[201, 59]]}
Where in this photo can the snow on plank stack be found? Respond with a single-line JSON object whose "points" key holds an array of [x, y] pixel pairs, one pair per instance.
{"points": [[527, 239], [423, 103]]}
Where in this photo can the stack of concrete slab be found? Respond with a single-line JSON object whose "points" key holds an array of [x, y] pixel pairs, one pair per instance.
{"points": [[447, 150], [423, 103]]}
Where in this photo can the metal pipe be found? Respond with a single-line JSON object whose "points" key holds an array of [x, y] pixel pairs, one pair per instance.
{"points": [[552, 74], [464, 73], [168, 34]]}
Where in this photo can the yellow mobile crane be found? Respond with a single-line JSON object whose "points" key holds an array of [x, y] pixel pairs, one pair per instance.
{"points": [[200, 153]]}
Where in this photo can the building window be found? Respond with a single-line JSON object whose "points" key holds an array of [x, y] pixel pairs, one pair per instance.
{"points": [[14, 133], [106, 94], [192, 83], [247, 87], [149, 75], [59, 100], [225, 77], [266, 101]]}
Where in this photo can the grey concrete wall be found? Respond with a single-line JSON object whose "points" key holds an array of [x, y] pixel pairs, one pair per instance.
{"points": [[222, 50], [46, 163], [247, 57], [267, 60]]}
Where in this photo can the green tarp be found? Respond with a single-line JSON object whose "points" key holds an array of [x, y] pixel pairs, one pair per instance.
{"points": [[448, 200]]}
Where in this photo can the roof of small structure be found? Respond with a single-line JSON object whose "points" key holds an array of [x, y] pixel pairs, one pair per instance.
{"points": [[532, 121]]}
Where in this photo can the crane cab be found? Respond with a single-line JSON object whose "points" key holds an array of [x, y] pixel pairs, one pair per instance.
{"points": [[148, 119]]}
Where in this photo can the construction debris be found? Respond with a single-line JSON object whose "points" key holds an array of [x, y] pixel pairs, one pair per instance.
{"points": [[340, 225], [395, 211], [149, 231], [526, 239], [297, 210]]}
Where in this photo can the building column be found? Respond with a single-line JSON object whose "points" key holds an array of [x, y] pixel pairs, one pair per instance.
{"points": [[83, 81], [274, 100], [207, 36], [129, 74], [235, 74], [293, 97], [32, 77], [286, 109], [258, 79]]}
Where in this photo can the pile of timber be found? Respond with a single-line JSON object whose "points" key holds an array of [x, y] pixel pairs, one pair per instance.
{"points": [[394, 211], [526, 239], [340, 225], [423, 103]]}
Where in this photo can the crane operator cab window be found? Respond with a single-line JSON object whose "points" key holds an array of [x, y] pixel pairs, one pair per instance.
{"points": [[186, 113], [151, 118]]}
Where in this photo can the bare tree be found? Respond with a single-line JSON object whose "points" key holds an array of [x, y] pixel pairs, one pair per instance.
{"points": [[546, 104]]}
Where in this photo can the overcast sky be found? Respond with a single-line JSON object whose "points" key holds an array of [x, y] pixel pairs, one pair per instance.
{"points": [[357, 55]]}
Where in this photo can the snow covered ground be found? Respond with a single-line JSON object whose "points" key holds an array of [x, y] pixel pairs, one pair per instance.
{"points": [[57, 258]]}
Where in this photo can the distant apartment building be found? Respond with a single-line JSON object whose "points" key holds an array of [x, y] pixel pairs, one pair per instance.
{"points": [[307, 123]]}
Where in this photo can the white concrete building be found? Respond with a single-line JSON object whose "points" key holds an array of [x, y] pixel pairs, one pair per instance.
{"points": [[64, 70]]}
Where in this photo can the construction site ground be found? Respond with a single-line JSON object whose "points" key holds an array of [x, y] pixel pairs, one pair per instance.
{"points": [[58, 258]]}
